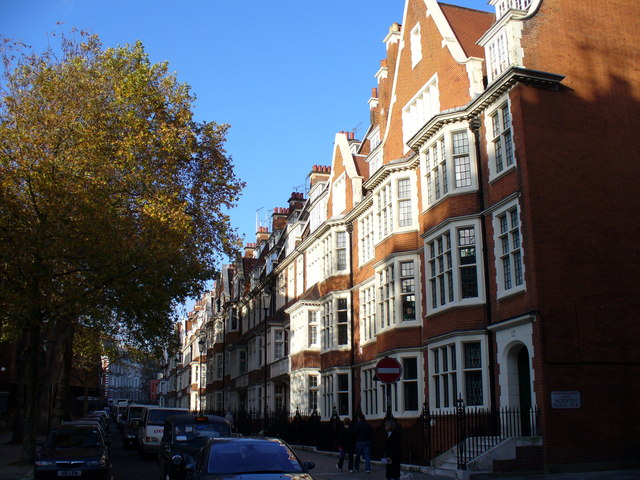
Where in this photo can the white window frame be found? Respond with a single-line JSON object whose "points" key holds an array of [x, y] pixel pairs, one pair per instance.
{"points": [[327, 388], [313, 337], [331, 392], [504, 137], [374, 393], [497, 52], [279, 344], [404, 202], [339, 200], [313, 387], [454, 375], [342, 252], [366, 237], [448, 266], [416, 45], [386, 206], [389, 293], [330, 324], [439, 164], [369, 394], [515, 253], [368, 325]]}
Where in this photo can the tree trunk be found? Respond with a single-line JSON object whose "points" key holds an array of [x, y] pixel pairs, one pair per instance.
{"points": [[31, 388], [62, 402]]}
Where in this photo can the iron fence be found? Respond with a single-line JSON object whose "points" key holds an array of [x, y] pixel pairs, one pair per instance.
{"points": [[468, 431]]}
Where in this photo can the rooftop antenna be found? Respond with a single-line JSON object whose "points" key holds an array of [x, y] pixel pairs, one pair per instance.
{"points": [[258, 219]]}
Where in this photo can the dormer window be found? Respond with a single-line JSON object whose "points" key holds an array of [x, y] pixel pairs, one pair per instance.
{"points": [[498, 56], [424, 105], [503, 6]]}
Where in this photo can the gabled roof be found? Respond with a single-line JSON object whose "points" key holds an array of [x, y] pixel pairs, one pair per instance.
{"points": [[468, 25]]}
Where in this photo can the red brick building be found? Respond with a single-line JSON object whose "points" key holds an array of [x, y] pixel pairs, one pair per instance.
{"points": [[482, 233]]}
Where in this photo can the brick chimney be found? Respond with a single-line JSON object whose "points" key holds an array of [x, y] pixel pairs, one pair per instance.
{"points": [[262, 234], [296, 201], [279, 218], [248, 250], [319, 173]]}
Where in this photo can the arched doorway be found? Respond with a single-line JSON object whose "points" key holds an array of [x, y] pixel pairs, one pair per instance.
{"points": [[519, 386]]}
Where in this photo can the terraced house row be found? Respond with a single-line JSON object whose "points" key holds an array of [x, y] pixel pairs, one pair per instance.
{"points": [[483, 232]]}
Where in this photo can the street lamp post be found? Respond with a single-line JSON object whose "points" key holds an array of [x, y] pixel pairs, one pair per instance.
{"points": [[202, 342], [266, 302]]}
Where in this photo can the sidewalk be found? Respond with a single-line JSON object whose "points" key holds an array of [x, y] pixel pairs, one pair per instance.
{"points": [[326, 470], [326, 467], [9, 454]]}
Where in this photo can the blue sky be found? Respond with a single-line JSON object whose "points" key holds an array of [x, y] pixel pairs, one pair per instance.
{"points": [[286, 75]]}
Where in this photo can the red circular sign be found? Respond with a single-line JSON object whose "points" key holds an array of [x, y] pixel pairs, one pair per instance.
{"points": [[388, 370]]}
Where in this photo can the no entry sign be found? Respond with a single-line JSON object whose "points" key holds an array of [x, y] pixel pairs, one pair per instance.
{"points": [[388, 370]]}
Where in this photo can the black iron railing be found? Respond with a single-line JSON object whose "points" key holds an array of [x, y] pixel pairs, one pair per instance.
{"points": [[468, 431]]}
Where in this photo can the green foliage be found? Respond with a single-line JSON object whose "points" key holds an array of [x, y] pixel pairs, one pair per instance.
{"points": [[112, 197]]}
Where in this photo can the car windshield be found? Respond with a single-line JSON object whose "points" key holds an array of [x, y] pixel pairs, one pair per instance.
{"points": [[135, 412], [259, 457], [157, 417], [75, 438], [198, 433]]}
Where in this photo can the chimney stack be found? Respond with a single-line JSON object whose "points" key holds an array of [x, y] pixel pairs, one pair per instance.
{"points": [[319, 173]]}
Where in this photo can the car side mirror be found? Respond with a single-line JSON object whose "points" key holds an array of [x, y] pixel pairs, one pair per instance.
{"points": [[308, 466]]}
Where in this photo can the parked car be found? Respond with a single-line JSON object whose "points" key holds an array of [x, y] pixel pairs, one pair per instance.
{"points": [[130, 433], [151, 426], [247, 457], [183, 437], [130, 426], [78, 450], [92, 422]]}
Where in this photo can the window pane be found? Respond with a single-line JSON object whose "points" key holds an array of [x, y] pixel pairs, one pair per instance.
{"points": [[410, 368], [343, 337], [469, 282], [411, 396], [343, 382], [473, 388], [472, 358]]}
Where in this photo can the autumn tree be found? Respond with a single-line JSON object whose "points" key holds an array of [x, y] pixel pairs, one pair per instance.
{"points": [[113, 199]]}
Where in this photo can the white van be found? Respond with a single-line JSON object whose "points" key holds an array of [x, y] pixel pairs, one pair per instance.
{"points": [[151, 426]]}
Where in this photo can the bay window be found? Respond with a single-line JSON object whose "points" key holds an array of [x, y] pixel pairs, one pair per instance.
{"points": [[448, 164], [453, 265], [459, 368]]}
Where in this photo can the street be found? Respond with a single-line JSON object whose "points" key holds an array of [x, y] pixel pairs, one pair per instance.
{"points": [[129, 464]]}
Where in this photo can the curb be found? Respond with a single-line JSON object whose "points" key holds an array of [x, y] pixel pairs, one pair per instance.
{"points": [[405, 467]]}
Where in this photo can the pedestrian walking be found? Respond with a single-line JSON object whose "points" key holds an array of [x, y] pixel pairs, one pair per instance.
{"points": [[346, 444], [392, 450], [363, 434]]}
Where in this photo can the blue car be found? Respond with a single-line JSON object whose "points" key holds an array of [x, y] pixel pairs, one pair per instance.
{"points": [[256, 458]]}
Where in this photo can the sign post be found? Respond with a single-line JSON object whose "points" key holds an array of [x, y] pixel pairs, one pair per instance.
{"points": [[388, 370]]}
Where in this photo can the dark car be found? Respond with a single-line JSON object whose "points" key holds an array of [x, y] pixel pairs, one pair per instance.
{"points": [[130, 433], [248, 458], [131, 424], [183, 437], [74, 451]]}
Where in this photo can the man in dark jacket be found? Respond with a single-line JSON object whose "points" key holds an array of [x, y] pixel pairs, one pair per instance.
{"points": [[363, 433], [346, 443], [392, 450]]}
